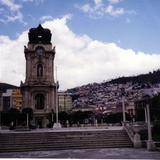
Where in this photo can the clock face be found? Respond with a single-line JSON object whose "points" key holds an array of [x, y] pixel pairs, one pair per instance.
{"points": [[40, 51]]}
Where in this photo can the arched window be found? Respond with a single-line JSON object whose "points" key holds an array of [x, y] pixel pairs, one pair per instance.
{"points": [[39, 101], [39, 70]]}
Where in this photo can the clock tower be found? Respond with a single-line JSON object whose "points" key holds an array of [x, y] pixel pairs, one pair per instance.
{"points": [[39, 88]]}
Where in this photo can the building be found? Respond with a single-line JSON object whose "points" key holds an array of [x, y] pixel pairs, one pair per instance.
{"points": [[12, 98], [39, 88], [64, 102], [6, 100], [130, 109], [16, 99], [84, 109]]}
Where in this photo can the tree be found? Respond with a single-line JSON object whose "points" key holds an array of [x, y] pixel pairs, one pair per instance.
{"points": [[88, 114], [140, 114], [51, 117], [99, 117], [63, 117], [28, 111], [116, 117], [5, 118], [77, 117], [13, 115], [155, 107]]}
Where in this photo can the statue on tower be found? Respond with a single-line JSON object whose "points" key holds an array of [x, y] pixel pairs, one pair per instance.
{"points": [[39, 35]]}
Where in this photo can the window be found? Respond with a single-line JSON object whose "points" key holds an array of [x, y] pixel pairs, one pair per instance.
{"points": [[39, 70], [39, 101]]}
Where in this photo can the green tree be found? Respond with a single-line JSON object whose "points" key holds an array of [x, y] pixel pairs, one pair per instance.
{"points": [[63, 117], [28, 111], [140, 114], [13, 116], [99, 117], [116, 117], [155, 107], [77, 117], [5, 118]]}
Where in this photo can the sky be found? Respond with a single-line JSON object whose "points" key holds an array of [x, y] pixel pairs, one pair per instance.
{"points": [[96, 40]]}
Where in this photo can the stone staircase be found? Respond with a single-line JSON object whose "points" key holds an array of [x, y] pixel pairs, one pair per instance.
{"points": [[85, 139]]}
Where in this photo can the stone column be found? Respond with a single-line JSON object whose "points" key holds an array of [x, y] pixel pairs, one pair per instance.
{"points": [[137, 138], [150, 142]]}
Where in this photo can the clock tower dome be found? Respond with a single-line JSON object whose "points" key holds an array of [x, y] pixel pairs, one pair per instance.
{"points": [[39, 88]]}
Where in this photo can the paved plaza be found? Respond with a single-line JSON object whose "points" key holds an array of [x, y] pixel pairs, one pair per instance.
{"points": [[110, 153]]}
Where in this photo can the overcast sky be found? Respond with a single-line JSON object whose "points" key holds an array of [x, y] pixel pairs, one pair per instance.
{"points": [[95, 40]]}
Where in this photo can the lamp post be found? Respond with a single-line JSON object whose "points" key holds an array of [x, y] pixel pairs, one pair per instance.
{"points": [[52, 117], [57, 124], [56, 104], [123, 105], [27, 120], [0, 120]]}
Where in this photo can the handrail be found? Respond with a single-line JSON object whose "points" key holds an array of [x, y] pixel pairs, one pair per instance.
{"points": [[129, 131], [133, 133]]}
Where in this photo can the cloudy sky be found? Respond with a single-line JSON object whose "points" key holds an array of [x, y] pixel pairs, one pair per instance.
{"points": [[95, 40]]}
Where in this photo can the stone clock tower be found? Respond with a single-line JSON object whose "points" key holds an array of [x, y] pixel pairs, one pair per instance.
{"points": [[39, 88]]}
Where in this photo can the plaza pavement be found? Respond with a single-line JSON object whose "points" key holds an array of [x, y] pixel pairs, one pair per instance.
{"points": [[110, 153]]}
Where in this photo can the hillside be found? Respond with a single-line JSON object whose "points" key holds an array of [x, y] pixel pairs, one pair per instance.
{"points": [[151, 77], [109, 94]]}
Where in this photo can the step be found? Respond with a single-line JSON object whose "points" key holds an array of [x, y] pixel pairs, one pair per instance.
{"points": [[43, 147], [72, 142], [63, 140]]}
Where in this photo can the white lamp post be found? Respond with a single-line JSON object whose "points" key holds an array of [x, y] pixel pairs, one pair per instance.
{"points": [[57, 124], [123, 106], [27, 120], [52, 116], [0, 120]]}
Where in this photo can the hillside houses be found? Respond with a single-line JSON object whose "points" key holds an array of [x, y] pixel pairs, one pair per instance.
{"points": [[107, 97]]}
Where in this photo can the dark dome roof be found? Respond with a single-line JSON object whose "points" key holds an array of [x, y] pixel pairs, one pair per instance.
{"points": [[39, 35]]}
